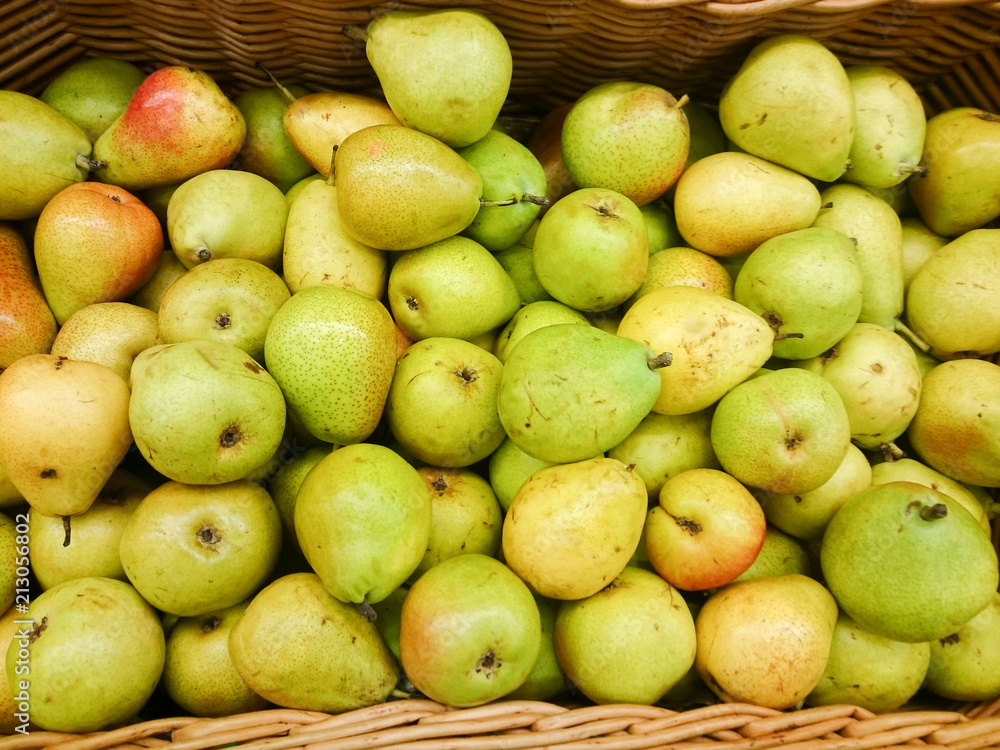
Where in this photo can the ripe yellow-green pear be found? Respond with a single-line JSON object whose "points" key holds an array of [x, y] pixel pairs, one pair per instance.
{"points": [[9, 719], [630, 642], [509, 468], [388, 614], [661, 226], [532, 316], [572, 528], [765, 641], [728, 203], [911, 470], [267, 149], [965, 665], [780, 555], [298, 646], [94, 92], [518, 261], [168, 270], [919, 244], [684, 266], [791, 103], [444, 72], [27, 325], [108, 333], [284, 488], [94, 651], [546, 679]]}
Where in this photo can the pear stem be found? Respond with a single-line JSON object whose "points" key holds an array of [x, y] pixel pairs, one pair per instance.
{"points": [[538, 200], [332, 179], [355, 33], [663, 359], [918, 342], [915, 169], [85, 162], [504, 202], [891, 452], [67, 530], [682, 101], [288, 94], [783, 336], [366, 611]]}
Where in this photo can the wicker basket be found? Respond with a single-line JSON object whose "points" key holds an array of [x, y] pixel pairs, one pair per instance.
{"points": [[561, 48]]}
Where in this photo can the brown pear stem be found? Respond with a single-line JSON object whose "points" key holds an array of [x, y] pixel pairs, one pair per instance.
{"points": [[85, 162], [783, 336], [332, 179], [67, 531], [891, 452], [663, 359], [288, 94], [682, 101], [366, 610], [918, 342], [355, 33], [828, 204], [915, 169], [538, 200]]}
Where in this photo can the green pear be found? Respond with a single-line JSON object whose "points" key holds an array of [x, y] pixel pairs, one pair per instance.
{"points": [[630, 642], [791, 102], [91, 654], [295, 190], [388, 614], [781, 554], [519, 263], [11, 718], [959, 191], [591, 249], [299, 647], [765, 641], [728, 203], [785, 431], [63, 430], [807, 285], [168, 270], [911, 470], [363, 520], [627, 136], [108, 333], [509, 468], [27, 325], [227, 299], [875, 372], [532, 316], [955, 427], [444, 72], [908, 562], [569, 392], [684, 266], [198, 673], [157, 199], [869, 670], [226, 213], [204, 412], [400, 189], [546, 679], [716, 344], [919, 244], [454, 288], [177, 124], [267, 149], [333, 351], [513, 179], [43, 152], [965, 665], [191, 549], [93, 92], [875, 230], [96, 534], [661, 225], [466, 517], [573, 527], [889, 127], [442, 403], [284, 488], [951, 300], [317, 250]]}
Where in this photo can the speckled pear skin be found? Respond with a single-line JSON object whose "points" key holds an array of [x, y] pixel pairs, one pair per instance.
{"points": [[28, 326], [178, 124], [399, 189], [333, 352]]}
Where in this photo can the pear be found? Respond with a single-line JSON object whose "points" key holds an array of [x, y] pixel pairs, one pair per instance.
{"points": [[780, 554], [661, 225], [684, 266], [791, 102], [532, 316], [545, 142], [363, 520], [876, 232], [27, 325], [442, 402], [965, 665], [765, 641], [91, 652], [919, 244], [93, 92], [911, 470], [108, 333], [227, 299], [960, 190], [572, 528], [950, 300], [43, 152], [875, 372], [716, 344], [284, 488], [785, 431], [519, 263], [453, 288], [546, 679], [317, 250], [869, 670], [569, 392], [12, 693], [514, 180], [267, 149], [332, 351], [509, 468], [400, 189], [63, 430], [444, 72], [889, 127], [955, 427], [198, 673], [204, 412], [627, 136], [177, 124], [10, 552], [226, 213], [807, 285], [299, 647], [908, 562], [388, 614], [728, 203], [631, 642], [168, 270]]}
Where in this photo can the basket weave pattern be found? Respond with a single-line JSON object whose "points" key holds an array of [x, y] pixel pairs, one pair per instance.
{"points": [[948, 49]]}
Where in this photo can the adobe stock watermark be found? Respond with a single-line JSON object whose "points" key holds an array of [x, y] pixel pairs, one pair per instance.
{"points": [[26, 631]]}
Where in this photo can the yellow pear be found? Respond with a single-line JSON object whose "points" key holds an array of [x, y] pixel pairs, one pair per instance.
{"points": [[108, 333], [27, 325]]}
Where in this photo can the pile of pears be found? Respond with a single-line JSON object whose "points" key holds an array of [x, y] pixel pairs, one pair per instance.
{"points": [[318, 399]]}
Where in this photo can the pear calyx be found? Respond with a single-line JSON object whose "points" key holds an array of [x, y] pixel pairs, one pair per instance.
{"points": [[934, 512], [488, 663]]}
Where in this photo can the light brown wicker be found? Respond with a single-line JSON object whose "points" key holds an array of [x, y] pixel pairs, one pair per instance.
{"points": [[947, 48]]}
